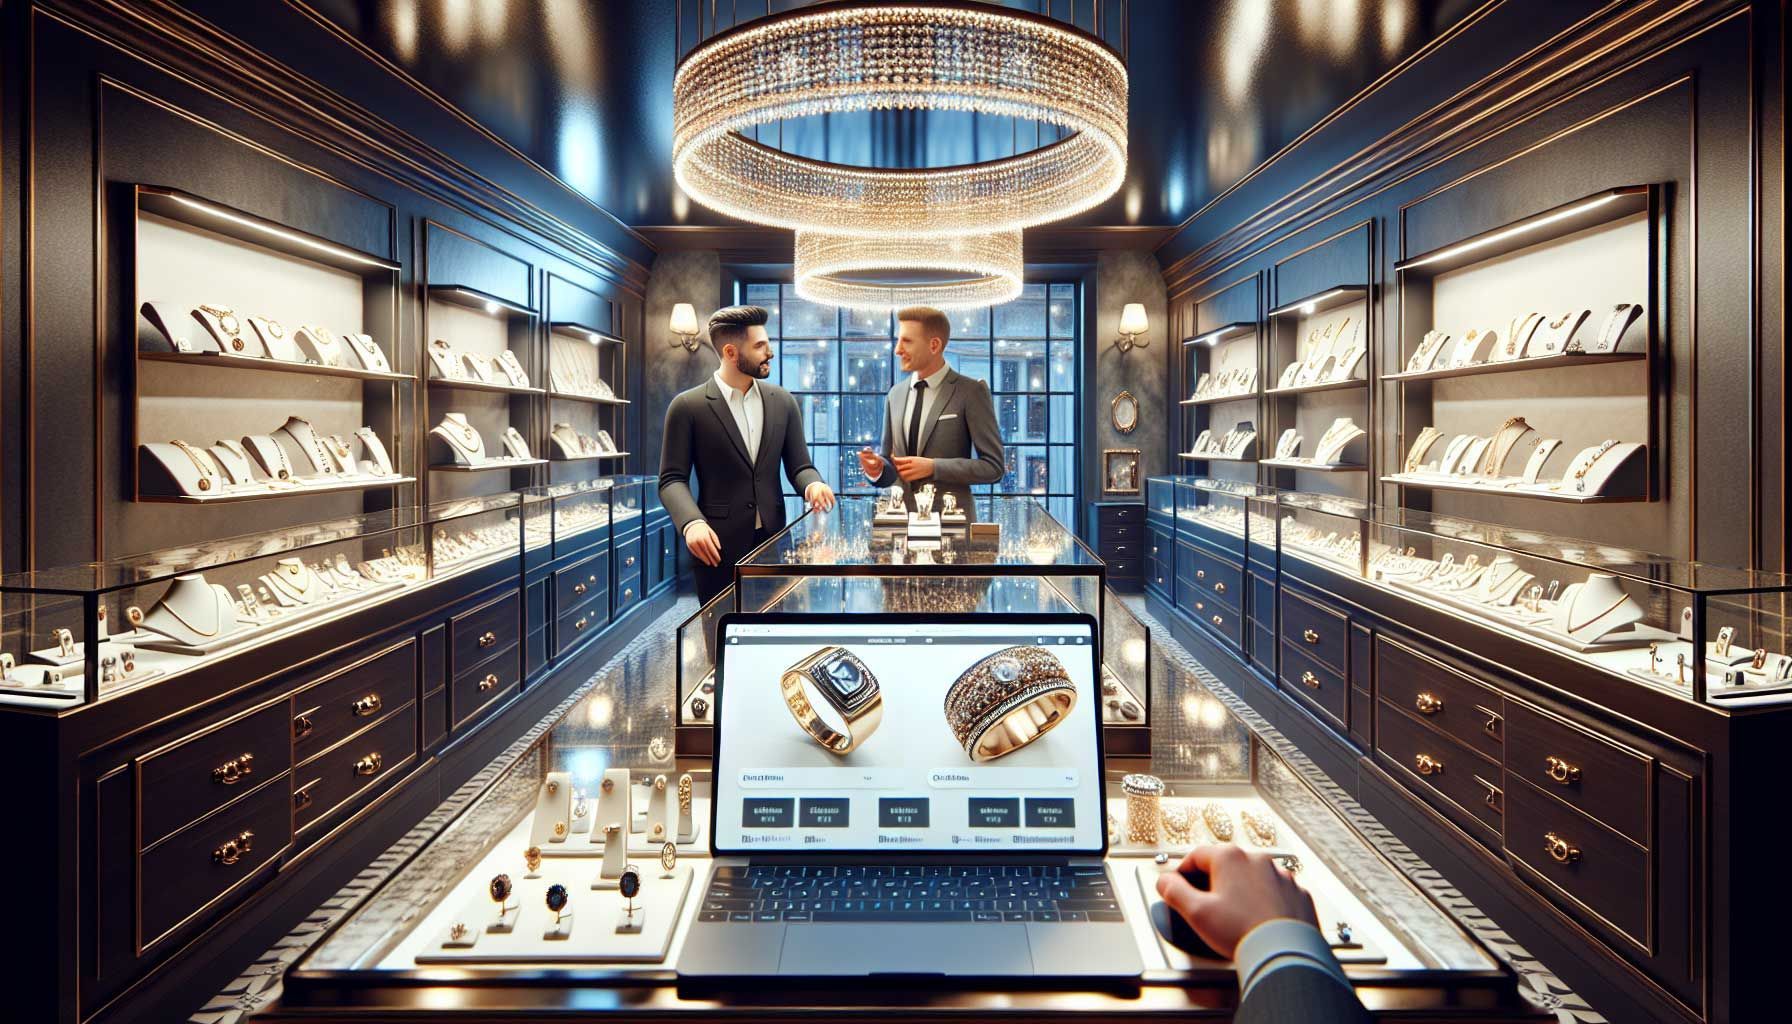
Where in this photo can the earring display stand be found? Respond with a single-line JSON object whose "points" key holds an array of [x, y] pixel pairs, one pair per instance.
{"points": [[485, 369], [1319, 355], [589, 408]]}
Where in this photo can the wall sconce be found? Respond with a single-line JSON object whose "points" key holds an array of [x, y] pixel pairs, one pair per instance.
{"points": [[1132, 327], [684, 326]]}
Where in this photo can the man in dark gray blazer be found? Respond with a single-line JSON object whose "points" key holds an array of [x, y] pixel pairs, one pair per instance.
{"points": [[939, 425], [734, 430], [1249, 909]]}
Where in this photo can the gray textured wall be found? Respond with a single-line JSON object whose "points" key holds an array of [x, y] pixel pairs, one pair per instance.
{"points": [[696, 278], [1123, 276]]}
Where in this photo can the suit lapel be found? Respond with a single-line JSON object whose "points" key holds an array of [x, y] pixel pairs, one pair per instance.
{"points": [[725, 416], [772, 420], [948, 384], [897, 409]]}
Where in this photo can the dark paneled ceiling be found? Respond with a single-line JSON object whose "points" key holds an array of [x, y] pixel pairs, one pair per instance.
{"points": [[583, 87]]}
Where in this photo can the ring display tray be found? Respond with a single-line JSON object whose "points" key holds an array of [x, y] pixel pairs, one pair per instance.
{"points": [[1639, 636], [588, 933]]}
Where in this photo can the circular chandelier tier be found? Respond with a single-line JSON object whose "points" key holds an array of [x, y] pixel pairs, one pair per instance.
{"points": [[859, 56], [954, 272]]}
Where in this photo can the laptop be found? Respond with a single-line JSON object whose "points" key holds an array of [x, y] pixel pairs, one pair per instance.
{"points": [[907, 796]]}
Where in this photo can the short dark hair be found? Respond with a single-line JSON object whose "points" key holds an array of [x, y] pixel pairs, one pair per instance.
{"points": [[728, 325], [933, 322]]}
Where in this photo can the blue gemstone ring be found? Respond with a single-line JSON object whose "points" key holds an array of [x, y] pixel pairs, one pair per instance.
{"points": [[834, 698]]}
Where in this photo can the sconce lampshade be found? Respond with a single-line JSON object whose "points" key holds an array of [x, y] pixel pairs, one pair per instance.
{"points": [[1132, 319], [684, 319]]}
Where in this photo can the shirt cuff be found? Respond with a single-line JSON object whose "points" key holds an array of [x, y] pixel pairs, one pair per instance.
{"points": [[1283, 942], [686, 532]]}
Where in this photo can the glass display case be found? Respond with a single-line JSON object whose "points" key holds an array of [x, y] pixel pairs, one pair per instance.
{"points": [[697, 660], [1701, 631], [572, 516], [1018, 559], [628, 500], [80, 633], [511, 898]]}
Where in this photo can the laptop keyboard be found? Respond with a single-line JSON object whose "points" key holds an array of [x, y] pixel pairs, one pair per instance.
{"points": [[759, 893]]}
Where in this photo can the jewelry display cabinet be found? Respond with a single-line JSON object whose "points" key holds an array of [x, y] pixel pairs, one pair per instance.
{"points": [[265, 363], [1565, 728], [1220, 384], [1212, 555], [1318, 404], [582, 362], [1551, 322], [523, 904], [483, 365]]}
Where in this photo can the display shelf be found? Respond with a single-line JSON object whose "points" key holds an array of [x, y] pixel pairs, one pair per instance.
{"points": [[1308, 389], [1517, 365], [186, 207], [1214, 458], [1314, 467], [1570, 218], [570, 396], [585, 332], [1245, 396], [1323, 301], [588, 458], [1511, 492], [1235, 329], [227, 499], [269, 365], [473, 298], [479, 385], [445, 467]]}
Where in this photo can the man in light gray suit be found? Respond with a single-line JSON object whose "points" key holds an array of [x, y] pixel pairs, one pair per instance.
{"points": [[734, 431], [939, 425]]}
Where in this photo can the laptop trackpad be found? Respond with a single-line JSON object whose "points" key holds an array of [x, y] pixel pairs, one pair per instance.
{"points": [[955, 949]]}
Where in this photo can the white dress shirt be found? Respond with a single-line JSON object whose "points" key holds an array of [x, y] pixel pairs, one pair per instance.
{"points": [[749, 416], [929, 400]]}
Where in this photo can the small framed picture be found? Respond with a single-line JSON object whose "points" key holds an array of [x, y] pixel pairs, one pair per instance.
{"points": [[1120, 471]]}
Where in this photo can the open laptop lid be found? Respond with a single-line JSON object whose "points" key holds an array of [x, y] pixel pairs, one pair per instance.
{"points": [[908, 787]]}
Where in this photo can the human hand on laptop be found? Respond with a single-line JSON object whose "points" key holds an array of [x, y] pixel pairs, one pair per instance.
{"points": [[1244, 891]]}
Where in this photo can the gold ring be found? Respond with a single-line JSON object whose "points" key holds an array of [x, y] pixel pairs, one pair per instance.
{"points": [[1007, 700], [833, 679]]}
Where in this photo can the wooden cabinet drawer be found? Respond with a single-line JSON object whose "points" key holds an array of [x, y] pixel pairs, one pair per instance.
{"points": [[197, 774], [491, 627], [1262, 601], [208, 864], [1130, 532], [1263, 649], [575, 626], [1445, 698], [1607, 781], [1222, 620], [1218, 579], [627, 553], [1584, 865], [1129, 548], [1122, 568], [1317, 685], [343, 772], [1317, 630], [340, 705], [577, 584], [1440, 769], [473, 695], [1106, 514]]}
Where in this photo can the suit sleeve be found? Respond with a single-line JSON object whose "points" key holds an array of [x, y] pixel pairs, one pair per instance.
{"points": [[889, 477], [675, 467], [797, 465], [1287, 972], [986, 440]]}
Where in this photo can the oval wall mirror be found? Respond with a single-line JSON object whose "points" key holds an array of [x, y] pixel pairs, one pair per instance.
{"points": [[1126, 412]]}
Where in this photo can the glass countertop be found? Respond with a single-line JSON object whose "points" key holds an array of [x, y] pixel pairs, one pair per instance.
{"points": [[846, 537]]}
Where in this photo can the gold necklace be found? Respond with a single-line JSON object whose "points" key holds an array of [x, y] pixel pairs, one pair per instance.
{"points": [[205, 471], [228, 323], [216, 626], [1572, 628]]}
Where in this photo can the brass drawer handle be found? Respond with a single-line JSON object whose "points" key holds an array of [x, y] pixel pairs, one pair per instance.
{"points": [[370, 765], [1219, 588], [302, 725], [1309, 680], [1200, 606], [234, 770], [488, 638], [578, 588], [630, 560], [1310, 636], [581, 623], [1428, 704], [488, 682], [1492, 797], [628, 592], [1560, 850], [1561, 772], [1200, 574], [368, 705], [1218, 621], [591, 578], [1428, 765], [1491, 724], [233, 849], [301, 797]]}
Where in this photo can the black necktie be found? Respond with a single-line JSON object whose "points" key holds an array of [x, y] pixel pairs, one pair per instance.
{"points": [[914, 417]]}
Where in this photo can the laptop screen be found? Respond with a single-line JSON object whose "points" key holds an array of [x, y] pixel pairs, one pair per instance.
{"points": [[908, 734]]}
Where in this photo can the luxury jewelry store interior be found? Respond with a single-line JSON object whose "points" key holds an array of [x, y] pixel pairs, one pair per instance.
{"points": [[1258, 510]]}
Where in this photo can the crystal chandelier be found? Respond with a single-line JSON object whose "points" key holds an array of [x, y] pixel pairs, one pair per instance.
{"points": [[867, 56], [951, 272]]}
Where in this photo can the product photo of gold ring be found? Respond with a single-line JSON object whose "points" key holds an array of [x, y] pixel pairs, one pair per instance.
{"points": [[834, 698], [1007, 700]]}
